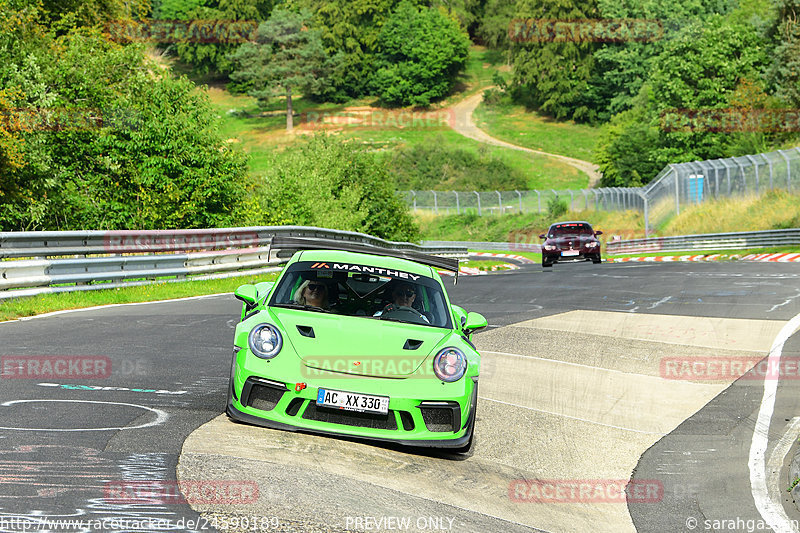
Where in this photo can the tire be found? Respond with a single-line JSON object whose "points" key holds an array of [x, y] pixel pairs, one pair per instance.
{"points": [[546, 265], [597, 260]]}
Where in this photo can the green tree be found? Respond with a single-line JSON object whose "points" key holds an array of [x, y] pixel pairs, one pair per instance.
{"points": [[549, 74], [335, 185], [704, 67], [287, 57], [129, 146], [420, 53], [213, 56], [784, 73], [349, 28]]}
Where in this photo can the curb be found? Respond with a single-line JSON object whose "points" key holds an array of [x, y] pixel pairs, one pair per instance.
{"points": [[780, 258]]}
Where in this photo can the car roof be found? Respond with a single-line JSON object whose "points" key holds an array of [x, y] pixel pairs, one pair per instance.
{"points": [[393, 263], [570, 222]]}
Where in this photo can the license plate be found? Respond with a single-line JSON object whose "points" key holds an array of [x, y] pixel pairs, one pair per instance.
{"points": [[353, 401], [567, 253]]}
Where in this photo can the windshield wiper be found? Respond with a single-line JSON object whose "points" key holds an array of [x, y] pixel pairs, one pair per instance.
{"points": [[303, 307]]}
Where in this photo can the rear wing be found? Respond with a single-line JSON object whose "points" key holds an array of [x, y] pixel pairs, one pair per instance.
{"points": [[301, 243]]}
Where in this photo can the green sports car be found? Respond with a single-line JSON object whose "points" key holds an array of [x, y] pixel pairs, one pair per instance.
{"points": [[357, 341]]}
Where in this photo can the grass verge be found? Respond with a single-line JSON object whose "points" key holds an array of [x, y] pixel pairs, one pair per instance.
{"points": [[45, 303], [513, 123]]}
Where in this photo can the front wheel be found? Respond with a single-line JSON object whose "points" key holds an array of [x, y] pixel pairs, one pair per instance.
{"points": [[597, 260]]}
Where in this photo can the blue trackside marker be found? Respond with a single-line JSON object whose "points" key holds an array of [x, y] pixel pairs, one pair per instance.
{"points": [[321, 396]]}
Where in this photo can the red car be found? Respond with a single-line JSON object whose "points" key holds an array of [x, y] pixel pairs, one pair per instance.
{"points": [[570, 241]]}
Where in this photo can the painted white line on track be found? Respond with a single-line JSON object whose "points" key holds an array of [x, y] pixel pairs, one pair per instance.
{"points": [[776, 459], [107, 306], [772, 512], [571, 417], [161, 416]]}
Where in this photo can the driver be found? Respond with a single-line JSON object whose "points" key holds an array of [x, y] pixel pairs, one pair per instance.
{"points": [[403, 295]]}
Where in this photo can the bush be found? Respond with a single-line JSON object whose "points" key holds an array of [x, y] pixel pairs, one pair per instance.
{"points": [[336, 185], [434, 166], [556, 207]]}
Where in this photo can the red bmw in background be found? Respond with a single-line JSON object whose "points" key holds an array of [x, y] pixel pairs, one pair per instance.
{"points": [[570, 241]]}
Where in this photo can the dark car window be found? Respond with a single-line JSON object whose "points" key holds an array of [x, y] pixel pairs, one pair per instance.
{"points": [[565, 230], [362, 290]]}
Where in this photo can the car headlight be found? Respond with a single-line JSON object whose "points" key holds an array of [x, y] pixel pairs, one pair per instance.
{"points": [[592, 244], [450, 364], [265, 341], [549, 247]]}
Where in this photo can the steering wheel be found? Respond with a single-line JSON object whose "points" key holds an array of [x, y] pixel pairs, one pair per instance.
{"points": [[402, 312]]}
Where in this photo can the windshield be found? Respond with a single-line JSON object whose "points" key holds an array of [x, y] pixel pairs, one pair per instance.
{"points": [[565, 230], [359, 290]]}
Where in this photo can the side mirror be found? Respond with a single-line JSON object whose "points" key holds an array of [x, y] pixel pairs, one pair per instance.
{"points": [[598, 232], [475, 322], [542, 236], [263, 288], [247, 293]]}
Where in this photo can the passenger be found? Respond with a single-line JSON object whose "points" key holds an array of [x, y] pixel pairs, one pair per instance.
{"points": [[312, 292]]}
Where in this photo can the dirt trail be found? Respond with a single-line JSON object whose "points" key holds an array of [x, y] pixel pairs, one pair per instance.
{"points": [[465, 125]]}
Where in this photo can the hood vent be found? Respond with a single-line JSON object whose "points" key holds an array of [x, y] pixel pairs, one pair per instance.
{"points": [[412, 344]]}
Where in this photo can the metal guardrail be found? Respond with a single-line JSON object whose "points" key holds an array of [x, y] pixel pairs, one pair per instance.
{"points": [[34, 262], [709, 241], [496, 246]]}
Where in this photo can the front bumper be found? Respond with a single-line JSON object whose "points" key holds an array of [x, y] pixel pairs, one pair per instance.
{"points": [[558, 257], [426, 413]]}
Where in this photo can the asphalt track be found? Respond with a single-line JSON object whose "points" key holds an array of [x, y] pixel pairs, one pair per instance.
{"points": [[576, 391]]}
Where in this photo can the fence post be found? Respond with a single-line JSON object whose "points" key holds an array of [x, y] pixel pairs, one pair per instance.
{"points": [[677, 191], [519, 194], [458, 211], [585, 199], [769, 163], [414, 197], [741, 170], [788, 171], [643, 196], [435, 204], [479, 202], [499, 203], [755, 164], [571, 199]]}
